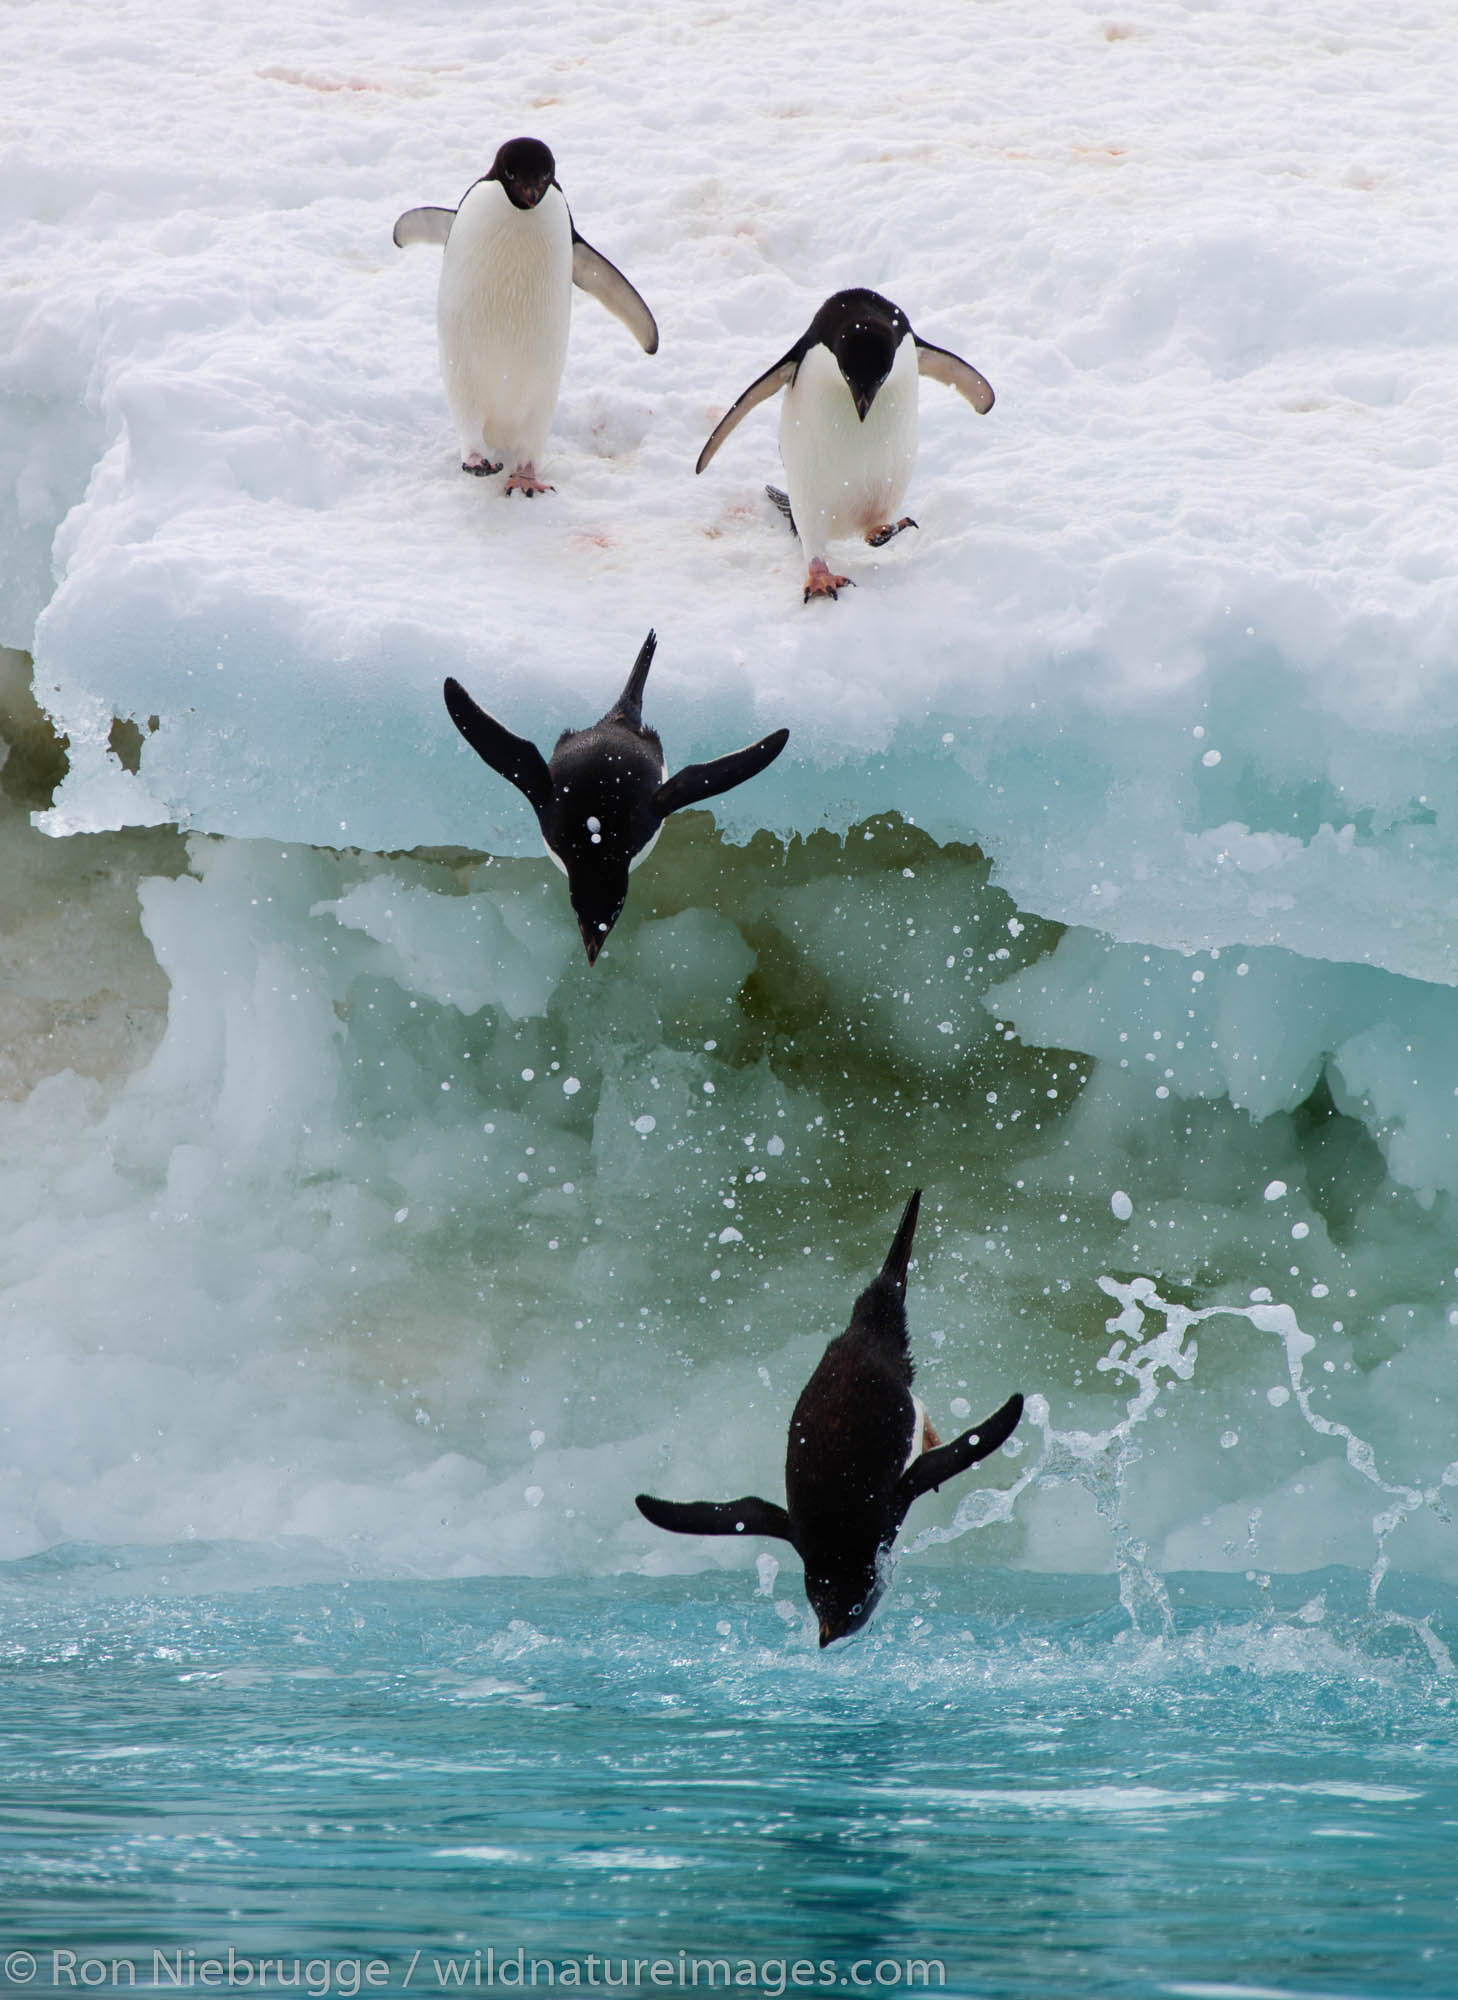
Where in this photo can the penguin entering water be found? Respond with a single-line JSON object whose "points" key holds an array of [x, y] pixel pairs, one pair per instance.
{"points": [[860, 1451], [512, 256], [848, 423], [602, 799]]}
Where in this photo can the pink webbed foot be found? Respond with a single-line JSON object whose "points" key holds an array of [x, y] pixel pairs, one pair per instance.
{"points": [[480, 465], [525, 480], [878, 537], [822, 582]]}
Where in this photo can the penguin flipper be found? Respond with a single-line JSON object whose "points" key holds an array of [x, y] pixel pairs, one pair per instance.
{"points": [[773, 379], [521, 763], [926, 1473], [424, 225], [749, 1516], [705, 781], [941, 365], [592, 272]]}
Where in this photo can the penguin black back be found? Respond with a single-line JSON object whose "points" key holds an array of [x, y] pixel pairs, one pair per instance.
{"points": [[859, 1452], [603, 797], [852, 1435], [851, 1431], [603, 814]]}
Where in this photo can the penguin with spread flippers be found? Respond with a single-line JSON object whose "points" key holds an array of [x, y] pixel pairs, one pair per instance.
{"points": [[512, 256], [860, 1451], [602, 799], [848, 425]]}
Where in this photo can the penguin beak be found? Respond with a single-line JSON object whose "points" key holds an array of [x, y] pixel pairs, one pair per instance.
{"points": [[862, 401], [827, 1637], [594, 937]]}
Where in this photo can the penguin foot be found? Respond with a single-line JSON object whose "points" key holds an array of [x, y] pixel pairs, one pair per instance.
{"points": [[878, 537], [482, 467], [525, 480], [821, 582]]}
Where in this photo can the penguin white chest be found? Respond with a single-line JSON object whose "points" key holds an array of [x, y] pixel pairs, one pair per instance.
{"points": [[502, 314], [847, 476]]}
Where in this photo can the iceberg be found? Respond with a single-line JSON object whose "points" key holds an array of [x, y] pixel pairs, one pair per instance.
{"points": [[1107, 882]]}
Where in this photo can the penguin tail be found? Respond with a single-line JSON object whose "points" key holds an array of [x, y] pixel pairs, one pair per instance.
{"points": [[898, 1257], [629, 705]]}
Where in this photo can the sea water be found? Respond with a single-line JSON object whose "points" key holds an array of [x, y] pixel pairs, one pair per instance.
{"points": [[625, 1785]]}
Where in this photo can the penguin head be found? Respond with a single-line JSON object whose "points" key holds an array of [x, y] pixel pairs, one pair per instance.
{"points": [[525, 168], [863, 331], [844, 1598], [598, 886], [865, 350]]}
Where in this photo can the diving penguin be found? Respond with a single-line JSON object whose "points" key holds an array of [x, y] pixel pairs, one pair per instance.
{"points": [[861, 1449], [512, 256], [602, 799], [848, 423]]}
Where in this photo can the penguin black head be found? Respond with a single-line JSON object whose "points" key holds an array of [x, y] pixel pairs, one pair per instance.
{"points": [[844, 1598], [863, 331], [598, 889], [526, 169]]}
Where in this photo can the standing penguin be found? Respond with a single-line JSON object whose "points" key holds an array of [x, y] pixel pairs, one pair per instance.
{"points": [[848, 423], [602, 800], [511, 259], [860, 1451]]}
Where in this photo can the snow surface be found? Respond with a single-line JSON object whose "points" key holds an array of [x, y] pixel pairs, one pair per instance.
{"points": [[1204, 255], [342, 1202]]}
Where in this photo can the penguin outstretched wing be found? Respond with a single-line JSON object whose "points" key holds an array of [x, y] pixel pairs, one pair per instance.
{"points": [[424, 225], [773, 379], [592, 272], [749, 1516], [521, 763], [926, 1473], [705, 781], [941, 365]]}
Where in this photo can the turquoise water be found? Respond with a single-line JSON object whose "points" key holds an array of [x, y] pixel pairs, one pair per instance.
{"points": [[381, 1781]]}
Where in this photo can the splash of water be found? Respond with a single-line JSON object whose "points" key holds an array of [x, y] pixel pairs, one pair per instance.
{"points": [[1153, 1346]]}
